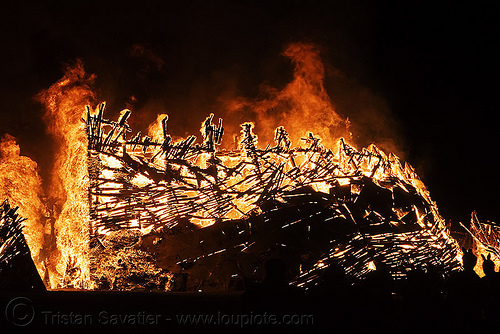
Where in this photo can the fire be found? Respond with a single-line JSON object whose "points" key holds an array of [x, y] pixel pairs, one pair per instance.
{"points": [[486, 237], [199, 185], [65, 103], [155, 129], [21, 184], [117, 189], [302, 106]]}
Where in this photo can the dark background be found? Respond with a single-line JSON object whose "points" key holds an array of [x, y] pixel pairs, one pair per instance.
{"points": [[429, 72]]}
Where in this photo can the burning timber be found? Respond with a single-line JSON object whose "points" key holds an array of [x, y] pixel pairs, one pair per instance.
{"points": [[484, 240], [17, 270], [186, 216]]}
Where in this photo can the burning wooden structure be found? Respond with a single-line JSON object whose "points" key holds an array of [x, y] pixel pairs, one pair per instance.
{"points": [[200, 217], [17, 270]]}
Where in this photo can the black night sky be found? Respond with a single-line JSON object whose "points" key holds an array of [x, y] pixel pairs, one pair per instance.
{"points": [[431, 72]]}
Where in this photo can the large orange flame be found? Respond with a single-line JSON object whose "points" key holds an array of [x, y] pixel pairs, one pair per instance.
{"points": [[65, 103], [303, 105], [21, 184]]}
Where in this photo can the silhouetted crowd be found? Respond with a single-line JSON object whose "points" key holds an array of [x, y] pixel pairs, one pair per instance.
{"points": [[425, 302]]}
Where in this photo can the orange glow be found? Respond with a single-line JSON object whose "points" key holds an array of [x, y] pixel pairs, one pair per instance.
{"points": [[298, 122], [21, 184], [155, 129], [486, 243], [302, 106], [65, 103]]}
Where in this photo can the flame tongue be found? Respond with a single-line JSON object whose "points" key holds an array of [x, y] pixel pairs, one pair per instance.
{"points": [[303, 105], [65, 103]]}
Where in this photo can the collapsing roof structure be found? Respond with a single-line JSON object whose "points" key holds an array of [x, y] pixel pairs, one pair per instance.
{"points": [[204, 218]]}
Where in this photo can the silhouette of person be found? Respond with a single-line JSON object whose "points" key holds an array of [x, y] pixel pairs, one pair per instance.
{"points": [[274, 292], [332, 300], [490, 294], [463, 296]]}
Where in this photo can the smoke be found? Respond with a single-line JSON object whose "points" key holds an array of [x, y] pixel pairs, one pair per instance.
{"points": [[369, 114], [153, 61]]}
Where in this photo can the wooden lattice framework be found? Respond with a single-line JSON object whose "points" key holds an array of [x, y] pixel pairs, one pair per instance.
{"points": [[369, 205]]}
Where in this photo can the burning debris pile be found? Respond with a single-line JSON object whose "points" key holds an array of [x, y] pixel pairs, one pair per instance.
{"points": [[17, 270], [196, 217]]}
